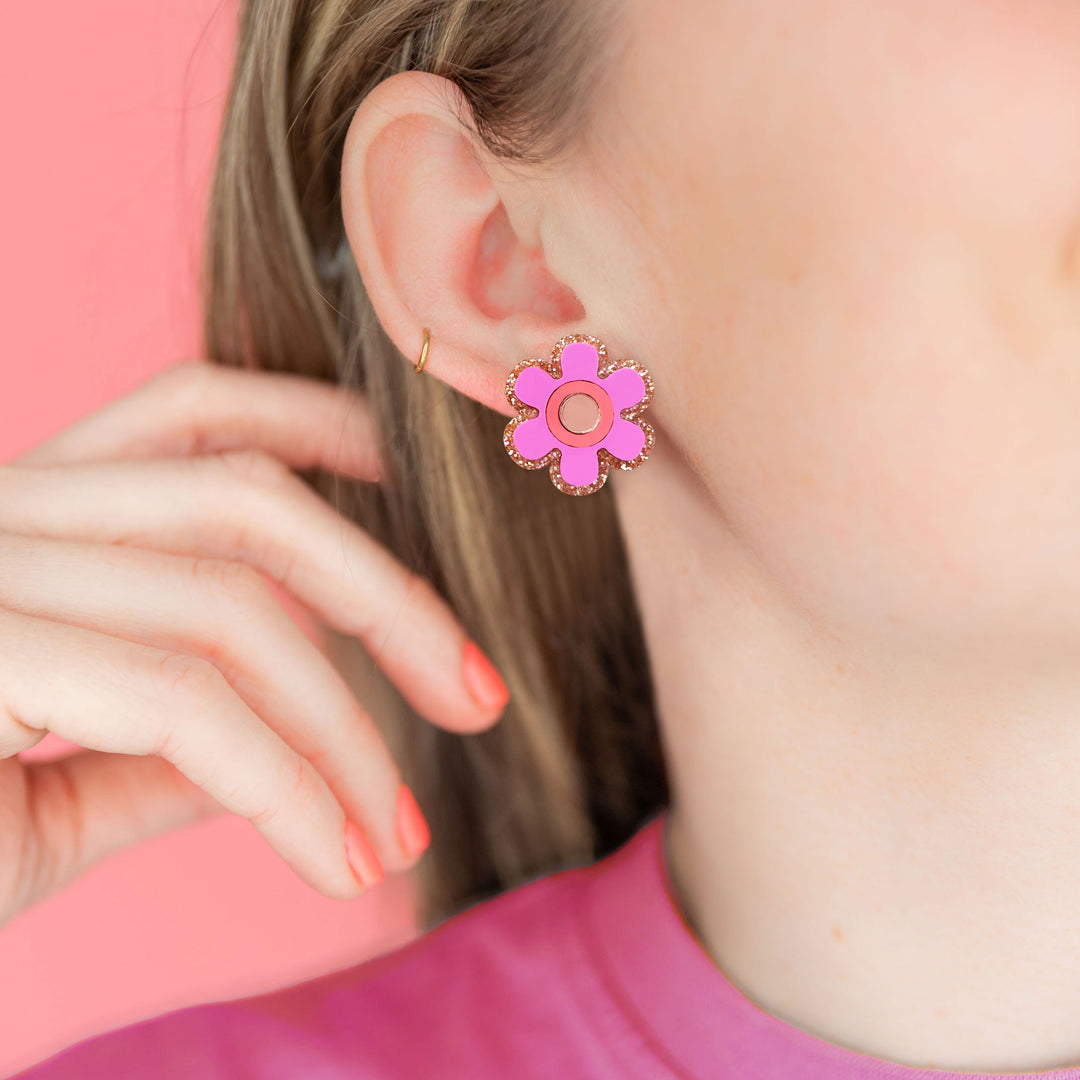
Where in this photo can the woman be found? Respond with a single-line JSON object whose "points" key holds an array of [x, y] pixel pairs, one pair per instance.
{"points": [[836, 606]]}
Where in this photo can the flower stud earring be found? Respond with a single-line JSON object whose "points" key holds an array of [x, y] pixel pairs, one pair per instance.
{"points": [[579, 414]]}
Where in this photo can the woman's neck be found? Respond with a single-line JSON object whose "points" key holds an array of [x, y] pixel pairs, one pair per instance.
{"points": [[876, 846]]}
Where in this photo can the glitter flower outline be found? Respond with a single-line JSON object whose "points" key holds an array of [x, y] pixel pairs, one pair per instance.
{"points": [[579, 463]]}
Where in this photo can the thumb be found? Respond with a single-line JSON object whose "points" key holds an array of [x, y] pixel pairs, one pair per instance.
{"points": [[90, 804]]}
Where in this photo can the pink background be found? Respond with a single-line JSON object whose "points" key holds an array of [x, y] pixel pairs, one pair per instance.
{"points": [[112, 111]]}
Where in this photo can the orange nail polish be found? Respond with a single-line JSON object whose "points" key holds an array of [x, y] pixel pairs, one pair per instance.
{"points": [[362, 858], [484, 682], [413, 832]]}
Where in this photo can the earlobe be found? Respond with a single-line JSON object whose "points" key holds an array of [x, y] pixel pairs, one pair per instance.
{"points": [[433, 235]]}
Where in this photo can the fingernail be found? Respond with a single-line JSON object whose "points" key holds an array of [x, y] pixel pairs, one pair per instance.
{"points": [[362, 858], [413, 832], [484, 682]]}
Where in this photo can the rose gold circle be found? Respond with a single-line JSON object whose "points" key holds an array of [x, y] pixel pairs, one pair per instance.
{"points": [[579, 413], [576, 438]]}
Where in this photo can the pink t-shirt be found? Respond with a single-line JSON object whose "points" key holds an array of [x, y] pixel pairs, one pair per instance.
{"points": [[587, 974]]}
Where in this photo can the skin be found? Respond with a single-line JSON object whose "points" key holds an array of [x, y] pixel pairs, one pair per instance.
{"points": [[845, 240], [138, 549]]}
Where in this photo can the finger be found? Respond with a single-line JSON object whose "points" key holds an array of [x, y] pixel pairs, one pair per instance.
{"points": [[198, 407], [83, 807], [105, 693], [248, 507], [227, 613]]}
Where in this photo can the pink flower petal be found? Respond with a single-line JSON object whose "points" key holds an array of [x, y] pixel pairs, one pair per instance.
{"points": [[533, 439], [579, 465], [534, 386], [625, 439], [579, 361], [625, 387]]}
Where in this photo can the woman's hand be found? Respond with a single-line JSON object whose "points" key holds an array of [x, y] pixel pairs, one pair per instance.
{"points": [[134, 621]]}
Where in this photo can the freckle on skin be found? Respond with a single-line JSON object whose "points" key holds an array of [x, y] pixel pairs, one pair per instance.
{"points": [[838, 933], [1070, 262]]}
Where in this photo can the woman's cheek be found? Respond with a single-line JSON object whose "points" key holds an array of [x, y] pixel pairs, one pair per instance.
{"points": [[899, 465], [872, 287]]}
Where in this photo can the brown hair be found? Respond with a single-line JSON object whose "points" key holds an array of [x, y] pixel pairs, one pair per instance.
{"points": [[575, 764]]}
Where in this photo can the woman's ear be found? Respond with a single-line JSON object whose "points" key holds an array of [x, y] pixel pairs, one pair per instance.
{"points": [[447, 238]]}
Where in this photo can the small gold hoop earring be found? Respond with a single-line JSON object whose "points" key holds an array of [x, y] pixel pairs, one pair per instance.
{"points": [[419, 365]]}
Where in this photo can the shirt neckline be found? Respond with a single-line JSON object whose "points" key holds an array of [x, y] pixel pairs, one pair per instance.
{"points": [[698, 1018]]}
